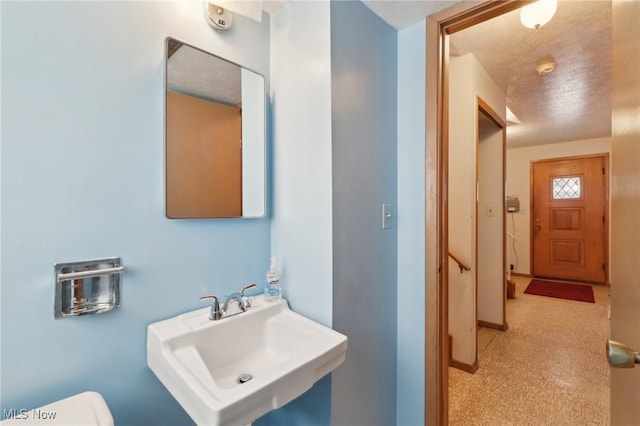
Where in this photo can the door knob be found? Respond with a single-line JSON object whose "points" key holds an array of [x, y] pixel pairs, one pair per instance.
{"points": [[621, 355], [538, 227]]}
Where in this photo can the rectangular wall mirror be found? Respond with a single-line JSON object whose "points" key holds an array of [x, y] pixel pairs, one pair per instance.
{"points": [[214, 136]]}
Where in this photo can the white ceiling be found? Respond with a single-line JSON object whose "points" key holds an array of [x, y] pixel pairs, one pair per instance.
{"points": [[572, 103]]}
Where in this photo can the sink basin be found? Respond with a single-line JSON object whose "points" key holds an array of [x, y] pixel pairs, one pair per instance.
{"points": [[236, 369]]}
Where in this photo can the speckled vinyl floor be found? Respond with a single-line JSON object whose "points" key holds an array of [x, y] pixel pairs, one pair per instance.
{"points": [[548, 368]]}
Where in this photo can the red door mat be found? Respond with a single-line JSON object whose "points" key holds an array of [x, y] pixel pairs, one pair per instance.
{"points": [[582, 293]]}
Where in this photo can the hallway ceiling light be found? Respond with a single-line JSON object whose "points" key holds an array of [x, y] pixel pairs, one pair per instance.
{"points": [[538, 13]]}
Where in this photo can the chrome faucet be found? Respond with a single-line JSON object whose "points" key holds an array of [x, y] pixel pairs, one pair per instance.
{"points": [[243, 303]]}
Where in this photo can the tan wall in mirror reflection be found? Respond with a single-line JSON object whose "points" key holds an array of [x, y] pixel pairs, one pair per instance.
{"points": [[204, 158]]}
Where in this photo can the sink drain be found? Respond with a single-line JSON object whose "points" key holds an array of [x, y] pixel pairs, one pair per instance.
{"points": [[244, 378]]}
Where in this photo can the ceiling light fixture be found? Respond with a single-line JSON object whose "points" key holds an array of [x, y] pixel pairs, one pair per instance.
{"points": [[538, 13]]}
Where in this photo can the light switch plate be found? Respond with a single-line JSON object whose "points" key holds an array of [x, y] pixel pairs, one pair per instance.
{"points": [[387, 216]]}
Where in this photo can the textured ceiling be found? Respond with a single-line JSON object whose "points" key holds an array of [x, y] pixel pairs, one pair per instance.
{"points": [[203, 75], [573, 102]]}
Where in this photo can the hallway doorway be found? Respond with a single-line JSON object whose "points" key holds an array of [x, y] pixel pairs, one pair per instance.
{"points": [[439, 27], [477, 265]]}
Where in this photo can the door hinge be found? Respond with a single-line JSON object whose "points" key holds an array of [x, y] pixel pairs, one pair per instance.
{"points": [[603, 170], [603, 219], [603, 267]]}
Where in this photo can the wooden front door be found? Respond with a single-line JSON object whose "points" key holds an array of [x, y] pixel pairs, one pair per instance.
{"points": [[569, 218]]}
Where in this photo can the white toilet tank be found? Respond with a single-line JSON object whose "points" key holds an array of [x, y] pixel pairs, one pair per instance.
{"points": [[83, 409]]}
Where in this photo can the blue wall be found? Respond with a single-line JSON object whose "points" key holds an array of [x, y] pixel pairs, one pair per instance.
{"points": [[411, 225], [364, 134], [82, 177]]}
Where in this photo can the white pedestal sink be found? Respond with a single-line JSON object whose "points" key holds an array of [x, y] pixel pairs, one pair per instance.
{"points": [[233, 370]]}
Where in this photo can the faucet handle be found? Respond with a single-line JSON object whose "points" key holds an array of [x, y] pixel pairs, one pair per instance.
{"points": [[215, 313], [252, 285], [245, 300]]}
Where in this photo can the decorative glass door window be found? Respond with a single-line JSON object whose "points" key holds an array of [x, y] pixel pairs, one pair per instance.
{"points": [[566, 188]]}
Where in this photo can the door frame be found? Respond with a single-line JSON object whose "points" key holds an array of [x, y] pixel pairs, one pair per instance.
{"points": [[605, 160], [439, 26]]}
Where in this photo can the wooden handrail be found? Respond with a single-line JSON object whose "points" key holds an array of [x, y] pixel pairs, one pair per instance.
{"points": [[463, 266]]}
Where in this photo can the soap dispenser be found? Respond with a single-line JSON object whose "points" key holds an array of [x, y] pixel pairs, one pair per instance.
{"points": [[272, 290]]}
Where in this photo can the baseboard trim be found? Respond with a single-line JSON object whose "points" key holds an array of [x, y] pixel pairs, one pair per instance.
{"points": [[501, 327], [469, 368], [518, 274]]}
